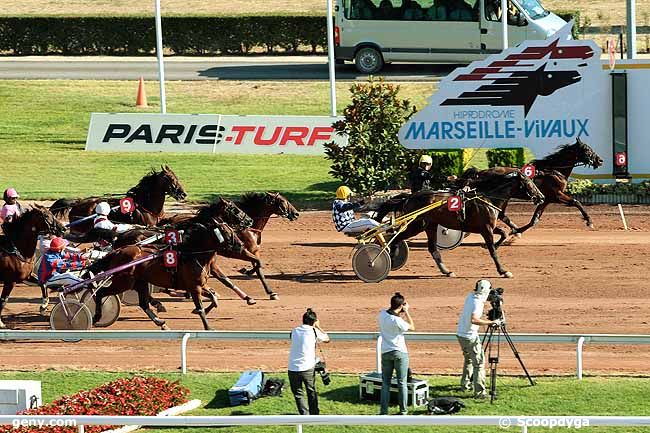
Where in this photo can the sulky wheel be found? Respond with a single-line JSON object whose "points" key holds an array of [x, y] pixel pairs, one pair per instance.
{"points": [[110, 308], [70, 315], [399, 255], [371, 263], [448, 239], [130, 297]]}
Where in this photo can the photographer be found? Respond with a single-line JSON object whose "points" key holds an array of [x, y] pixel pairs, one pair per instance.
{"points": [[470, 342], [393, 350], [302, 360]]}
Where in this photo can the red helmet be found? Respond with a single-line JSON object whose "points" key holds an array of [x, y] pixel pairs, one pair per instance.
{"points": [[57, 244]]}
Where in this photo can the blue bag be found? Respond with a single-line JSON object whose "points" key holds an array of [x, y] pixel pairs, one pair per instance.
{"points": [[248, 387]]}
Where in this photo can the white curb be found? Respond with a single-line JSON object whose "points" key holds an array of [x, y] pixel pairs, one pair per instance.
{"points": [[176, 410]]}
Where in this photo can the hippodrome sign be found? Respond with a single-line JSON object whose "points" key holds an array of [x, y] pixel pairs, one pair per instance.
{"points": [[539, 95]]}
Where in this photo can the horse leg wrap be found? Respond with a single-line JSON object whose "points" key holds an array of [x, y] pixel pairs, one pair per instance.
{"points": [[3, 302]]}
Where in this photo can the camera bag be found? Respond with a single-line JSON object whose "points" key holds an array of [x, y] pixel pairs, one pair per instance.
{"points": [[247, 388], [444, 405]]}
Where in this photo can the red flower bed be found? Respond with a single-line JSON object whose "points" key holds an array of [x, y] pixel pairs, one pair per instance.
{"points": [[129, 396]]}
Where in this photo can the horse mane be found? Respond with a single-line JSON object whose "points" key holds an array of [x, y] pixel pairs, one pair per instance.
{"points": [[238, 218], [144, 184], [554, 158], [16, 225]]}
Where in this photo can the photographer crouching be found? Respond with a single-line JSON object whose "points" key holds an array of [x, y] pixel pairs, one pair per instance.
{"points": [[303, 363], [467, 333]]}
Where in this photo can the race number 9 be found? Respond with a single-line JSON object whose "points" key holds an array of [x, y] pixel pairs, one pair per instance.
{"points": [[454, 203], [127, 205], [172, 237], [528, 170], [621, 159], [170, 258]]}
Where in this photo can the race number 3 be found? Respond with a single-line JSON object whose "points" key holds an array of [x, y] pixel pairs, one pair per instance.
{"points": [[621, 159], [528, 170], [454, 203], [170, 257], [127, 205], [172, 237]]}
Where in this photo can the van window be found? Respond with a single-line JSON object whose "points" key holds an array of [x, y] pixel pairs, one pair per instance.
{"points": [[412, 10], [534, 9], [493, 12]]}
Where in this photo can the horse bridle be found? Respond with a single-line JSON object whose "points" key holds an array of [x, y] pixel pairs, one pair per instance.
{"points": [[277, 202]]}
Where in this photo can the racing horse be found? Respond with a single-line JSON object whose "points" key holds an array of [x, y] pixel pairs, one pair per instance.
{"points": [[18, 246], [248, 217], [481, 208], [148, 196], [551, 177], [195, 254]]}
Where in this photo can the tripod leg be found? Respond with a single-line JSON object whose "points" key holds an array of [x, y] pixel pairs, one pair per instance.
{"points": [[516, 353]]}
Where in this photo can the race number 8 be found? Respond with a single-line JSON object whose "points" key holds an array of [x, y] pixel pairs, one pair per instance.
{"points": [[170, 259], [126, 205], [172, 237], [454, 203], [528, 170], [621, 159]]}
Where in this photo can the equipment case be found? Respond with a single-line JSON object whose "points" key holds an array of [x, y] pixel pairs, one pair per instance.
{"points": [[248, 388], [370, 389]]}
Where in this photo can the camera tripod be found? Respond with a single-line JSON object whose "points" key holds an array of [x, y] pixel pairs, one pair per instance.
{"points": [[494, 360]]}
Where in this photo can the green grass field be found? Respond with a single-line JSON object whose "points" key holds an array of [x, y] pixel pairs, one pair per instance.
{"points": [[552, 396], [43, 126]]}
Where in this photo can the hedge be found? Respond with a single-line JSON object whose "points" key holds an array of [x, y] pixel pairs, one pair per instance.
{"points": [[199, 35], [505, 157], [182, 35]]}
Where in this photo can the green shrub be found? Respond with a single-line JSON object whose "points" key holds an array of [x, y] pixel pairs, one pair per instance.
{"points": [[587, 188], [568, 15], [505, 157], [182, 35], [373, 159]]}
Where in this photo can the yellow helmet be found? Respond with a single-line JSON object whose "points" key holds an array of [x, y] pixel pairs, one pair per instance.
{"points": [[343, 192], [426, 159]]}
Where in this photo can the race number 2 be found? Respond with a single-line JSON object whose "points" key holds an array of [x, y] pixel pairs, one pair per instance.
{"points": [[127, 205], [172, 237], [454, 203], [528, 170], [621, 159], [170, 258]]}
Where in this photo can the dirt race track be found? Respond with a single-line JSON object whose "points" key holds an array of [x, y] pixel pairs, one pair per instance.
{"points": [[567, 279]]}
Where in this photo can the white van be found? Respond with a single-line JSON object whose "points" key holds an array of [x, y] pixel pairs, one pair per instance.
{"points": [[376, 32]]}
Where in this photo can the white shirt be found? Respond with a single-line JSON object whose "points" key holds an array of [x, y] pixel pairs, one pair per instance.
{"points": [[473, 306], [392, 329], [101, 222], [302, 356]]}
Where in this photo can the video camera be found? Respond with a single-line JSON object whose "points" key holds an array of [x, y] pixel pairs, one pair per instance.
{"points": [[324, 374], [496, 299]]}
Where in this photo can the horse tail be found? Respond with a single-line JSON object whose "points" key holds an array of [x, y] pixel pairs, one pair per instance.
{"points": [[62, 206], [393, 204], [102, 264]]}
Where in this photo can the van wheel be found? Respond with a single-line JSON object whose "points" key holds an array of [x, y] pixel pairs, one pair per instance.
{"points": [[368, 60]]}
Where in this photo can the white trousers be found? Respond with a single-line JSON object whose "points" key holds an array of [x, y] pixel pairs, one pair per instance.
{"points": [[360, 225], [63, 279]]}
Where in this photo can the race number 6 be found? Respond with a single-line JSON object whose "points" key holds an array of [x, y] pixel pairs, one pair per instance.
{"points": [[170, 258], [621, 159], [528, 170], [454, 203], [127, 205], [172, 237]]}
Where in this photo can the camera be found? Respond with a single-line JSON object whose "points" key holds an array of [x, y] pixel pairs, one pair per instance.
{"points": [[496, 299], [324, 374]]}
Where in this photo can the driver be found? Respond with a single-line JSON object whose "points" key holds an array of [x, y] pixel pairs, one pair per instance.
{"points": [[56, 264], [422, 179], [101, 221], [343, 213]]}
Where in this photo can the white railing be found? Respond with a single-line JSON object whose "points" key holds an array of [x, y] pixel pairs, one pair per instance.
{"points": [[184, 336], [522, 422]]}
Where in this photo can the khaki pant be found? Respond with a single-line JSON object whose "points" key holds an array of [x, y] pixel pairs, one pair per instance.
{"points": [[473, 367]]}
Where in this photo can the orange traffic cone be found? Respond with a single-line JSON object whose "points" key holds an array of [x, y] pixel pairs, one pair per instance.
{"points": [[141, 101]]}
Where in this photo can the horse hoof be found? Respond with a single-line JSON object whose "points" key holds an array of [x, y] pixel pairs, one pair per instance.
{"points": [[517, 235], [507, 274], [2, 325], [274, 297], [195, 311], [43, 310], [251, 301], [161, 308], [591, 226], [164, 327], [451, 275]]}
